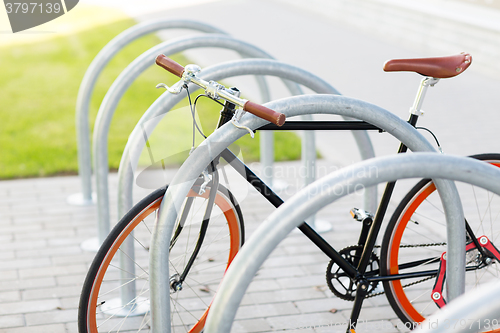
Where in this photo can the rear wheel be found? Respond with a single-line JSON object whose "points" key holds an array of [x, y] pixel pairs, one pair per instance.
{"points": [[115, 295], [415, 240]]}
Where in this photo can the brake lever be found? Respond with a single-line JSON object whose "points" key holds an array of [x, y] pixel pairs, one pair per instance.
{"points": [[175, 89], [236, 122]]}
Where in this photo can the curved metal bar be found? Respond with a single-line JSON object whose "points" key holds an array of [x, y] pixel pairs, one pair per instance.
{"points": [[105, 115], [90, 78], [220, 140], [323, 192], [118, 88], [167, 101]]}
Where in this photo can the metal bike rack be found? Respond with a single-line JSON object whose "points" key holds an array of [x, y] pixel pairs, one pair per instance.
{"points": [[325, 191], [136, 142], [104, 119], [118, 88], [87, 86], [478, 309], [167, 101], [105, 115], [306, 104]]}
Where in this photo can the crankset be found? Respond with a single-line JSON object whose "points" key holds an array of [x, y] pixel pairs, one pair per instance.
{"points": [[340, 283]]}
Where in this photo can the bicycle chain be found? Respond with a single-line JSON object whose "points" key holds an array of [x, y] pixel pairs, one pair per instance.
{"points": [[406, 285], [370, 295], [415, 282], [423, 245], [418, 245]]}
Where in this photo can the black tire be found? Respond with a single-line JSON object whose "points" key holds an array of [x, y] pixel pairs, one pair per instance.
{"points": [[416, 231], [97, 311]]}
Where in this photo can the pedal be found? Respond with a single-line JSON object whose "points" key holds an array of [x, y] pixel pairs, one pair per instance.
{"points": [[362, 216]]}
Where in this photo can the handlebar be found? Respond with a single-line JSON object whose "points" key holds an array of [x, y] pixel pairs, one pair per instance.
{"points": [[216, 90], [170, 65], [265, 113]]}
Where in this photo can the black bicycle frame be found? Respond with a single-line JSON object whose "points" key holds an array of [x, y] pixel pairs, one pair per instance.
{"points": [[321, 126], [369, 231]]}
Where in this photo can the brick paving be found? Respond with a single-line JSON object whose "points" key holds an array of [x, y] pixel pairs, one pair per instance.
{"points": [[42, 265]]}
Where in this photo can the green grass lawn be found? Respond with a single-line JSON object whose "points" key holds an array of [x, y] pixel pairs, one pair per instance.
{"points": [[38, 88]]}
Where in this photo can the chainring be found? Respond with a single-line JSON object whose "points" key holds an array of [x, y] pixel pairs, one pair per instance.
{"points": [[340, 283]]}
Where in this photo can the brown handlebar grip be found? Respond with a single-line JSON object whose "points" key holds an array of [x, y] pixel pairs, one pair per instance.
{"points": [[169, 65], [265, 113]]}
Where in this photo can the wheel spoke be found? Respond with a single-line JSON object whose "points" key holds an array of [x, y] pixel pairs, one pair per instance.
{"points": [[111, 316], [422, 203]]}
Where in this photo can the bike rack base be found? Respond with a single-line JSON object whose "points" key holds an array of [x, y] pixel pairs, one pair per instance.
{"points": [[79, 199], [91, 245]]}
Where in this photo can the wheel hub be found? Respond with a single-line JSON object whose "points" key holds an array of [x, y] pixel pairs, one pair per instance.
{"points": [[175, 284]]}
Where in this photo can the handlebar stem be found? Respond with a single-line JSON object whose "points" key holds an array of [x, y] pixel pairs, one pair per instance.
{"points": [[215, 90]]}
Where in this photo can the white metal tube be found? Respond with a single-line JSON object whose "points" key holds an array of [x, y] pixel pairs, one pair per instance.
{"points": [[324, 191], [116, 91], [224, 136], [90, 78]]}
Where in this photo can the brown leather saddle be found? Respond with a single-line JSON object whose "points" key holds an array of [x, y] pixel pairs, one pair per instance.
{"points": [[437, 67]]}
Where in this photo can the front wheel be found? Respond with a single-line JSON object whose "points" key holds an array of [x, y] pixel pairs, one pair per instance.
{"points": [[415, 241], [115, 295]]}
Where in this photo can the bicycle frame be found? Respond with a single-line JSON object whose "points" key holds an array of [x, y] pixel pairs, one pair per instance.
{"points": [[369, 232]]}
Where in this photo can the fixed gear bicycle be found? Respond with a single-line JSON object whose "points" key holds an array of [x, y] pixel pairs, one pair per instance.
{"points": [[386, 269]]}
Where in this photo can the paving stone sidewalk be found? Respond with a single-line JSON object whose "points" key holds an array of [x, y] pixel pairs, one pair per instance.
{"points": [[42, 266]]}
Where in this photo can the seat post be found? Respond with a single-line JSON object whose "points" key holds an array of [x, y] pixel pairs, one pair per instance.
{"points": [[419, 99]]}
